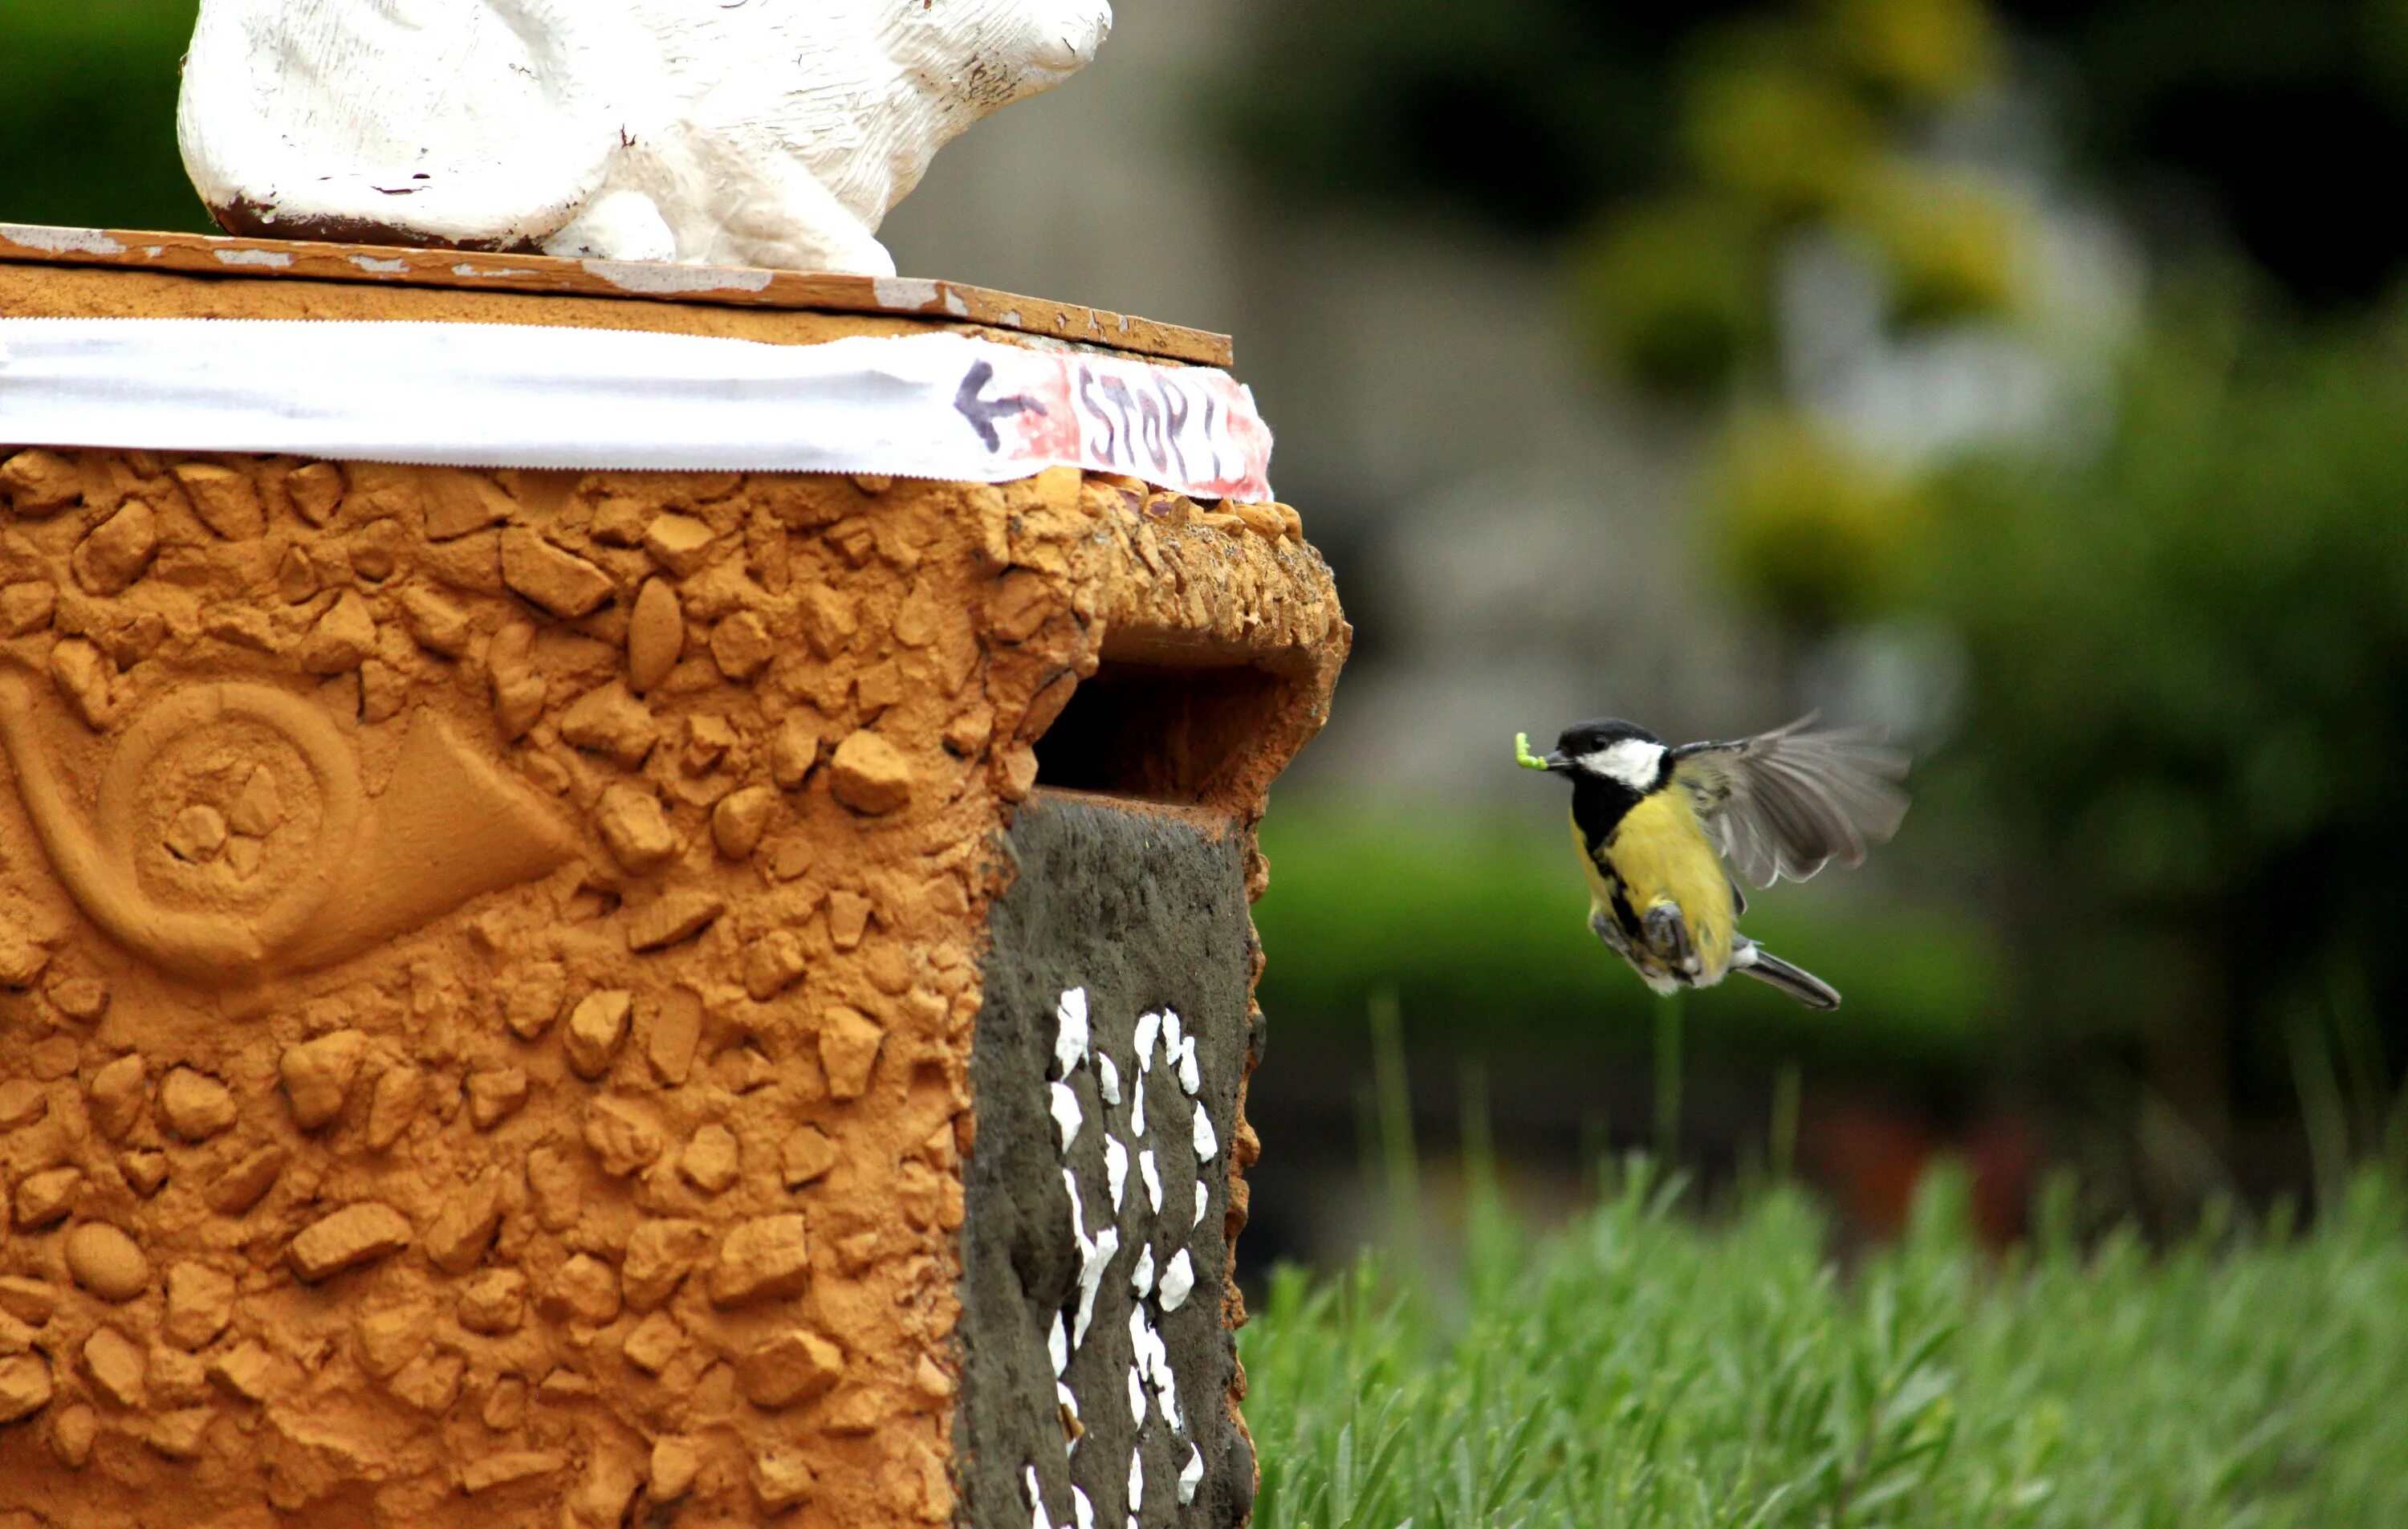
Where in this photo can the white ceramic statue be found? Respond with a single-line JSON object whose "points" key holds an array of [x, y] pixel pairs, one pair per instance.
{"points": [[771, 132]]}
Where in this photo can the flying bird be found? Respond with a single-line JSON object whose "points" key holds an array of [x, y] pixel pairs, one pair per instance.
{"points": [[1654, 825]]}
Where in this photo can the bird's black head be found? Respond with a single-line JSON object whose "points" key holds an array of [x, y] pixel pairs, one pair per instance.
{"points": [[1612, 751]]}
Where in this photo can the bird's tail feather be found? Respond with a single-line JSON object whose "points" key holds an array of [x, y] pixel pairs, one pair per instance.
{"points": [[1800, 984]]}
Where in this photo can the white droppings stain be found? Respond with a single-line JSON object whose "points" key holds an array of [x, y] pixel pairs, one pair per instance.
{"points": [[1116, 1166], [1057, 1345], [1203, 1201], [1086, 1511], [1142, 1281], [1091, 1279], [1136, 1108], [1148, 1026], [1069, 1403], [1137, 1480], [376, 266], [1067, 1114], [656, 281], [273, 259], [61, 241], [1136, 1396], [1172, 1039], [1191, 1476], [1191, 1075], [1154, 1354], [1152, 1179], [1108, 1079], [1207, 1145], [1078, 1210], [909, 293], [1036, 1501], [1178, 1282], [1071, 1035]]}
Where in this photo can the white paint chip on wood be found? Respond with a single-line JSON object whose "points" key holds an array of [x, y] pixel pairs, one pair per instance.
{"points": [[1091, 1279], [1191, 1476], [1178, 1280], [1070, 1031], [1067, 1114], [1116, 1166]]}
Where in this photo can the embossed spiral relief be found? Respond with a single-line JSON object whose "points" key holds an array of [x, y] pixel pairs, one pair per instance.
{"points": [[231, 835]]}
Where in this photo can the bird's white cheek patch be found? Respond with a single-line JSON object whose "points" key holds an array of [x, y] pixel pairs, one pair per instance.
{"points": [[1632, 762]]}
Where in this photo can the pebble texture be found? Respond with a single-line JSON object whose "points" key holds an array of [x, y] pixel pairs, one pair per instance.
{"points": [[513, 1185]]}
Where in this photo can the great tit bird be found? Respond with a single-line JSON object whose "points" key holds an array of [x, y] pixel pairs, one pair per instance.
{"points": [[1653, 826]]}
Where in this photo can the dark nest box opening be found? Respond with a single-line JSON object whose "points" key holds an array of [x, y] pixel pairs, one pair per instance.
{"points": [[1184, 733]]}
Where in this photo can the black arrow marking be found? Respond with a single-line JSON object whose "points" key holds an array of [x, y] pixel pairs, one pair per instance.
{"points": [[983, 413]]}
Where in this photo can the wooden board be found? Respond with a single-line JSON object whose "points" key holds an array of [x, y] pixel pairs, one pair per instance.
{"points": [[205, 255]]}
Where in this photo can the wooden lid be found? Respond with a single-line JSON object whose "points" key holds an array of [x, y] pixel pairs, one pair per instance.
{"points": [[907, 297]]}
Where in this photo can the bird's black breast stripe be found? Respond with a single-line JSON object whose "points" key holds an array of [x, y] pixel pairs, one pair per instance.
{"points": [[1598, 807], [1624, 914]]}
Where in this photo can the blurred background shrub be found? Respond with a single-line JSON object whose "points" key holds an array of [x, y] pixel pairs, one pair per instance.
{"points": [[88, 113]]}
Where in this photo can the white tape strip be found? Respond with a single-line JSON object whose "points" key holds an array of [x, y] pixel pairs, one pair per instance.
{"points": [[489, 395]]}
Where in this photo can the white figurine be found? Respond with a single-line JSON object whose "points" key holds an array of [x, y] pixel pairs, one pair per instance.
{"points": [[771, 132]]}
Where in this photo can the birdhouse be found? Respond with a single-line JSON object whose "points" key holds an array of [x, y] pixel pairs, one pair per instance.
{"points": [[583, 992]]}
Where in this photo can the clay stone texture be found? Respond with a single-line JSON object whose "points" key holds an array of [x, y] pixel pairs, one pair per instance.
{"points": [[488, 986]]}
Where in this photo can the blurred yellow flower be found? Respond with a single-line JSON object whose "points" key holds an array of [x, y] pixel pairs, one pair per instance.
{"points": [[1816, 535], [1785, 137], [1673, 292], [1954, 242], [1920, 51]]}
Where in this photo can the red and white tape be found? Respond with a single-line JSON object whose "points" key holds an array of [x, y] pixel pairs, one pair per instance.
{"points": [[943, 407]]}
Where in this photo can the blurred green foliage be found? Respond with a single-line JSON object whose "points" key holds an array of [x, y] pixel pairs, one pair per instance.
{"points": [[2192, 699], [88, 113], [1639, 1369]]}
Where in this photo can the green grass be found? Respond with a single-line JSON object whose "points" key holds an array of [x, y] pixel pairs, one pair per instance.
{"points": [[1644, 1368]]}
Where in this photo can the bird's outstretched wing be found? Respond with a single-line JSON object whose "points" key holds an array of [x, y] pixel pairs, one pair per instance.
{"points": [[1787, 803]]}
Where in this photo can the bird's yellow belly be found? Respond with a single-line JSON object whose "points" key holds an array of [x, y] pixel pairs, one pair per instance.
{"points": [[1660, 853]]}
